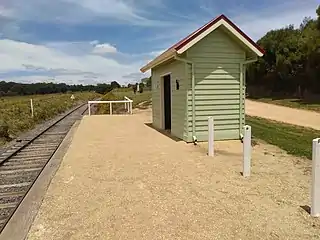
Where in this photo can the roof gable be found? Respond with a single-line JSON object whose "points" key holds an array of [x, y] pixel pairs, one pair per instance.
{"points": [[186, 43]]}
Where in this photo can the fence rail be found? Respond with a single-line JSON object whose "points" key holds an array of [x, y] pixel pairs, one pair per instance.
{"points": [[127, 104]]}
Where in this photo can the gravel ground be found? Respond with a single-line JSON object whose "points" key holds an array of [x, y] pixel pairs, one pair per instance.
{"points": [[283, 114], [120, 179]]}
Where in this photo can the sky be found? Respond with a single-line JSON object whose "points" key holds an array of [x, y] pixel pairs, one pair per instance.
{"points": [[99, 41]]}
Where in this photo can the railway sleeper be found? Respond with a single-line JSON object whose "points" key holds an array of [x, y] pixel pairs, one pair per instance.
{"points": [[25, 162], [16, 171], [21, 166]]}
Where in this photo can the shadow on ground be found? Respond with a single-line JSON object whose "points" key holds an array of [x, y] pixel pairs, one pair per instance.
{"points": [[306, 208], [164, 132], [144, 105]]}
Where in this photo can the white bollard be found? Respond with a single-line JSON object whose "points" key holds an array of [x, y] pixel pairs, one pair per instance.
{"points": [[31, 105], [315, 189], [89, 109], [210, 137], [246, 151]]}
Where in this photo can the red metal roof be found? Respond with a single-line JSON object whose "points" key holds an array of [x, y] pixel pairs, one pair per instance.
{"points": [[196, 33]]}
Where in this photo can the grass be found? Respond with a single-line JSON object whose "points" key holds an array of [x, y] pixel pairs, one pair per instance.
{"points": [[140, 100], [15, 112], [295, 140], [293, 103], [137, 98]]}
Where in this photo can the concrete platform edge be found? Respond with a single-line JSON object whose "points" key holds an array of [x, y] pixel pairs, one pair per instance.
{"points": [[19, 225]]}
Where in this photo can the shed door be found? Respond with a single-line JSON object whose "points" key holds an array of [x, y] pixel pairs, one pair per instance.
{"points": [[167, 101]]}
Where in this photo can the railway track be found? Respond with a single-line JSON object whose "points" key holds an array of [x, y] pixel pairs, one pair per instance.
{"points": [[22, 163]]}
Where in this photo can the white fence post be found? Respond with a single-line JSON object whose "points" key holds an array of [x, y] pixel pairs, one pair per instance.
{"points": [[210, 137], [246, 151], [128, 104], [31, 105], [315, 189]]}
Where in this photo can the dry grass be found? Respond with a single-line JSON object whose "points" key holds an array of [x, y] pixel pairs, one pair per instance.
{"points": [[15, 112]]}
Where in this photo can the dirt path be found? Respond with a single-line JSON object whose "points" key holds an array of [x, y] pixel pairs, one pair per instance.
{"points": [[121, 179], [283, 114]]}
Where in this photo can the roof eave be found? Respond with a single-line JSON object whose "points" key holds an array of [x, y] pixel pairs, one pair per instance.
{"points": [[158, 60]]}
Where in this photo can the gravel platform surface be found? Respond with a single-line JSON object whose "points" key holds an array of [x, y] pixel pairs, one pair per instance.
{"points": [[121, 179]]}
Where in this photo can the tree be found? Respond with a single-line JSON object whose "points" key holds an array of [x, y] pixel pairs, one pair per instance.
{"points": [[103, 88], [141, 86], [12, 89], [135, 87], [291, 63], [114, 85], [318, 20]]}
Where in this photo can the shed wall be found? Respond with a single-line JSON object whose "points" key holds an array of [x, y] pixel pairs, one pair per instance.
{"points": [[219, 91], [179, 127]]}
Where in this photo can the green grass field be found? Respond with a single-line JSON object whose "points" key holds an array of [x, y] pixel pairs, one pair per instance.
{"points": [[293, 103], [293, 139], [15, 112]]}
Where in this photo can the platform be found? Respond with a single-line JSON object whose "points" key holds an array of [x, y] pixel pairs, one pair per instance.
{"points": [[121, 179]]}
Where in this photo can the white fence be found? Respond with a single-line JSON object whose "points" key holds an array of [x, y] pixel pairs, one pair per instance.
{"points": [[127, 104], [246, 149]]}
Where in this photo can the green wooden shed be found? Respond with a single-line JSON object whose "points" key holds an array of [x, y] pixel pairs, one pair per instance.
{"points": [[203, 75]]}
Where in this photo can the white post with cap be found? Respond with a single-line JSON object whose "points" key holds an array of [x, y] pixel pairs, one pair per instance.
{"points": [[315, 188], [210, 137], [246, 151]]}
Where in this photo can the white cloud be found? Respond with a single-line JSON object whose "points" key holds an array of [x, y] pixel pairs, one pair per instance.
{"points": [[81, 11], [104, 48], [257, 24], [156, 53], [94, 61], [5, 12], [44, 61], [254, 23]]}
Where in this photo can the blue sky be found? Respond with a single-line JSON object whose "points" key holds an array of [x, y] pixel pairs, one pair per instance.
{"points": [[90, 41]]}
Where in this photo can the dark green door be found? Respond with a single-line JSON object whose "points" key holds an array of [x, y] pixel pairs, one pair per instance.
{"points": [[167, 101]]}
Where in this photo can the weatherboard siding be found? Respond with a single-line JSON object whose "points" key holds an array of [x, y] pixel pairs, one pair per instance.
{"points": [[155, 95], [218, 88], [178, 100]]}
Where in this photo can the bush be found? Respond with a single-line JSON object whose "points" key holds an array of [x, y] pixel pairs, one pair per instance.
{"points": [[116, 107]]}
